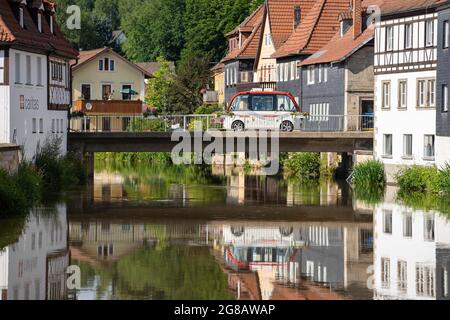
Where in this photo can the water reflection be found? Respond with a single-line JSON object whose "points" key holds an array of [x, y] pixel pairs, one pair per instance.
{"points": [[34, 267], [177, 235]]}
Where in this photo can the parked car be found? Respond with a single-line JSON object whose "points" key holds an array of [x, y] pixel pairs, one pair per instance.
{"points": [[263, 110]]}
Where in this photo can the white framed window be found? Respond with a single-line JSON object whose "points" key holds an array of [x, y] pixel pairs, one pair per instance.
{"points": [[39, 71], [53, 126], [402, 94], [408, 35], [39, 21], [426, 92], [21, 21], [402, 270], [386, 95], [28, 69], [320, 74], [17, 59], [51, 24], [444, 98], [298, 71], [100, 65], [425, 280], [407, 145], [286, 72], [387, 145], [445, 34], [310, 74], [407, 225], [389, 38], [293, 71], [268, 39], [325, 73], [387, 221], [429, 33], [34, 125], [41, 125], [112, 65], [386, 273], [429, 141]]}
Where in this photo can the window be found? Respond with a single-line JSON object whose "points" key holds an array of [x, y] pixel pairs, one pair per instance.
{"points": [[407, 225], [319, 111], [408, 35], [325, 73], [28, 66], [426, 93], [39, 71], [445, 34], [39, 22], [51, 24], [402, 94], [240, 103], [407, 145], [387, 145], [112, 65], [286, 72], [262, 103], [57, 126], [320, 73], [425, 280], [444, 98], [429, 146], [126, 92], [53, 126], [2, 66], [285, 103], [389, 38], [106, 124], [17, 62], [86, 91], [100, 65], [268, 39], [282, 72], [428, 227], [310, 72], [41, 125], [386, 103], [33, 125], [293, 71], [297, 16], [402, 270], [385, 273], [21, 17], [431, 93], [429, 33], [106, 92], [106, 64], [421, 93], [387, 221]]}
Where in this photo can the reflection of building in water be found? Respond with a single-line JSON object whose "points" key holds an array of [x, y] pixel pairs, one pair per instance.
{"points": [[297, 260], [108, 187], [411, 253], [107, 241], [34, 268]]}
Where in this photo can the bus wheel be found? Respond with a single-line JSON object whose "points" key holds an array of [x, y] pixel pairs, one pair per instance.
{"points": [[238, 126], [287, 126]]}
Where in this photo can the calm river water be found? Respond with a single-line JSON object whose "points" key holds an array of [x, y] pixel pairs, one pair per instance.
{"points": [[191, 233]]}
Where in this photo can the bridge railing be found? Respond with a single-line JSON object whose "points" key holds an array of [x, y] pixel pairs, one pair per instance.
{"points": [[168, 123]]}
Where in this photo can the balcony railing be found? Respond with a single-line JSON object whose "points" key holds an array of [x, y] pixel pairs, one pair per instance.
{"points": [[121, 107]]}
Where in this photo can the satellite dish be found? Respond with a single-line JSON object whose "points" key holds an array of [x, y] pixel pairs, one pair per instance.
{"points": [[88, 106]]}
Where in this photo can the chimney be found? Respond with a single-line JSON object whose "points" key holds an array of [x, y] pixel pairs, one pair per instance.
{"points": [[357, 18]]}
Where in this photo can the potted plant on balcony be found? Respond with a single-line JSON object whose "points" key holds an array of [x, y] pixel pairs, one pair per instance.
{"points": [[77, 114], [150, 113]]}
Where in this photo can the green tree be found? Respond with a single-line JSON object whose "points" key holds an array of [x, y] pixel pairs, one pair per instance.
{"points": [[159, 85]]}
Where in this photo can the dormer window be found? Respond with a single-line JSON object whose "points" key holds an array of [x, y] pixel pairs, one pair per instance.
{"points": [[39, 21], [51, 24], [297, 16], [21, 17]]}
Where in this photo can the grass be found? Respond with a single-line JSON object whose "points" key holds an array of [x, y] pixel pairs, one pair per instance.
{"points": [[369, 174]]}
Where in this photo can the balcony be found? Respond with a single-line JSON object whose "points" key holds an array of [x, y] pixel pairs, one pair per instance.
{"points": [[264, 79], [120, 107]]}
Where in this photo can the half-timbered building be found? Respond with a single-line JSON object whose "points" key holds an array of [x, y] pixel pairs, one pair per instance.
{"points": [[405, 63], [35, 82]]}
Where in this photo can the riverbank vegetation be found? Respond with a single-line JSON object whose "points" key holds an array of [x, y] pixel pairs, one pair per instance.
{"points": [[369, 174], [160, 158], [34, 183], [305, 165], [428, 180]]}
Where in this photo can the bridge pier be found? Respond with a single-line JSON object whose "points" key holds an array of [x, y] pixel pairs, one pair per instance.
{"points": [[88, 162]]}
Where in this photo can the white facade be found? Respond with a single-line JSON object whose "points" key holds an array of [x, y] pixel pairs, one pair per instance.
{"points": [[442, 151], [405, 91], [25, 117], [405, 252], [34, 267]]}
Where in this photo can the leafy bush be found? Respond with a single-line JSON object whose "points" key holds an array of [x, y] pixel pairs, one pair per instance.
{"points": [[13, 200], [302, 165], [443, 182], [72, 170], [369, 174], [29, 179], [147, 125], [49, 164], [134, 157], [208, 109], [418, 179]]}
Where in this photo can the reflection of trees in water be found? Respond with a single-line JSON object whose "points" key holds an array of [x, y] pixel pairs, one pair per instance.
{"points": [[11, 230], [170, 272]]}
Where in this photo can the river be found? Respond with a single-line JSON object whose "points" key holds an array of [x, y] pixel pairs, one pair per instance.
{"points": [[159, 232]]}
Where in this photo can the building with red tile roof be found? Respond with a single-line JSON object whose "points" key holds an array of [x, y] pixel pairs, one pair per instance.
{"points": [[34, 74]]}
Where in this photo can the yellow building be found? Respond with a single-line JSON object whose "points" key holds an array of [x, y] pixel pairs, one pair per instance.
{"points": [[218, 72], [108, 88]]}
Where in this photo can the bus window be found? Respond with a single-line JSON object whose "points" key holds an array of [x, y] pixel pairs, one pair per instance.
{"points": [[262, 103], [285, 103], [240, 103]]}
